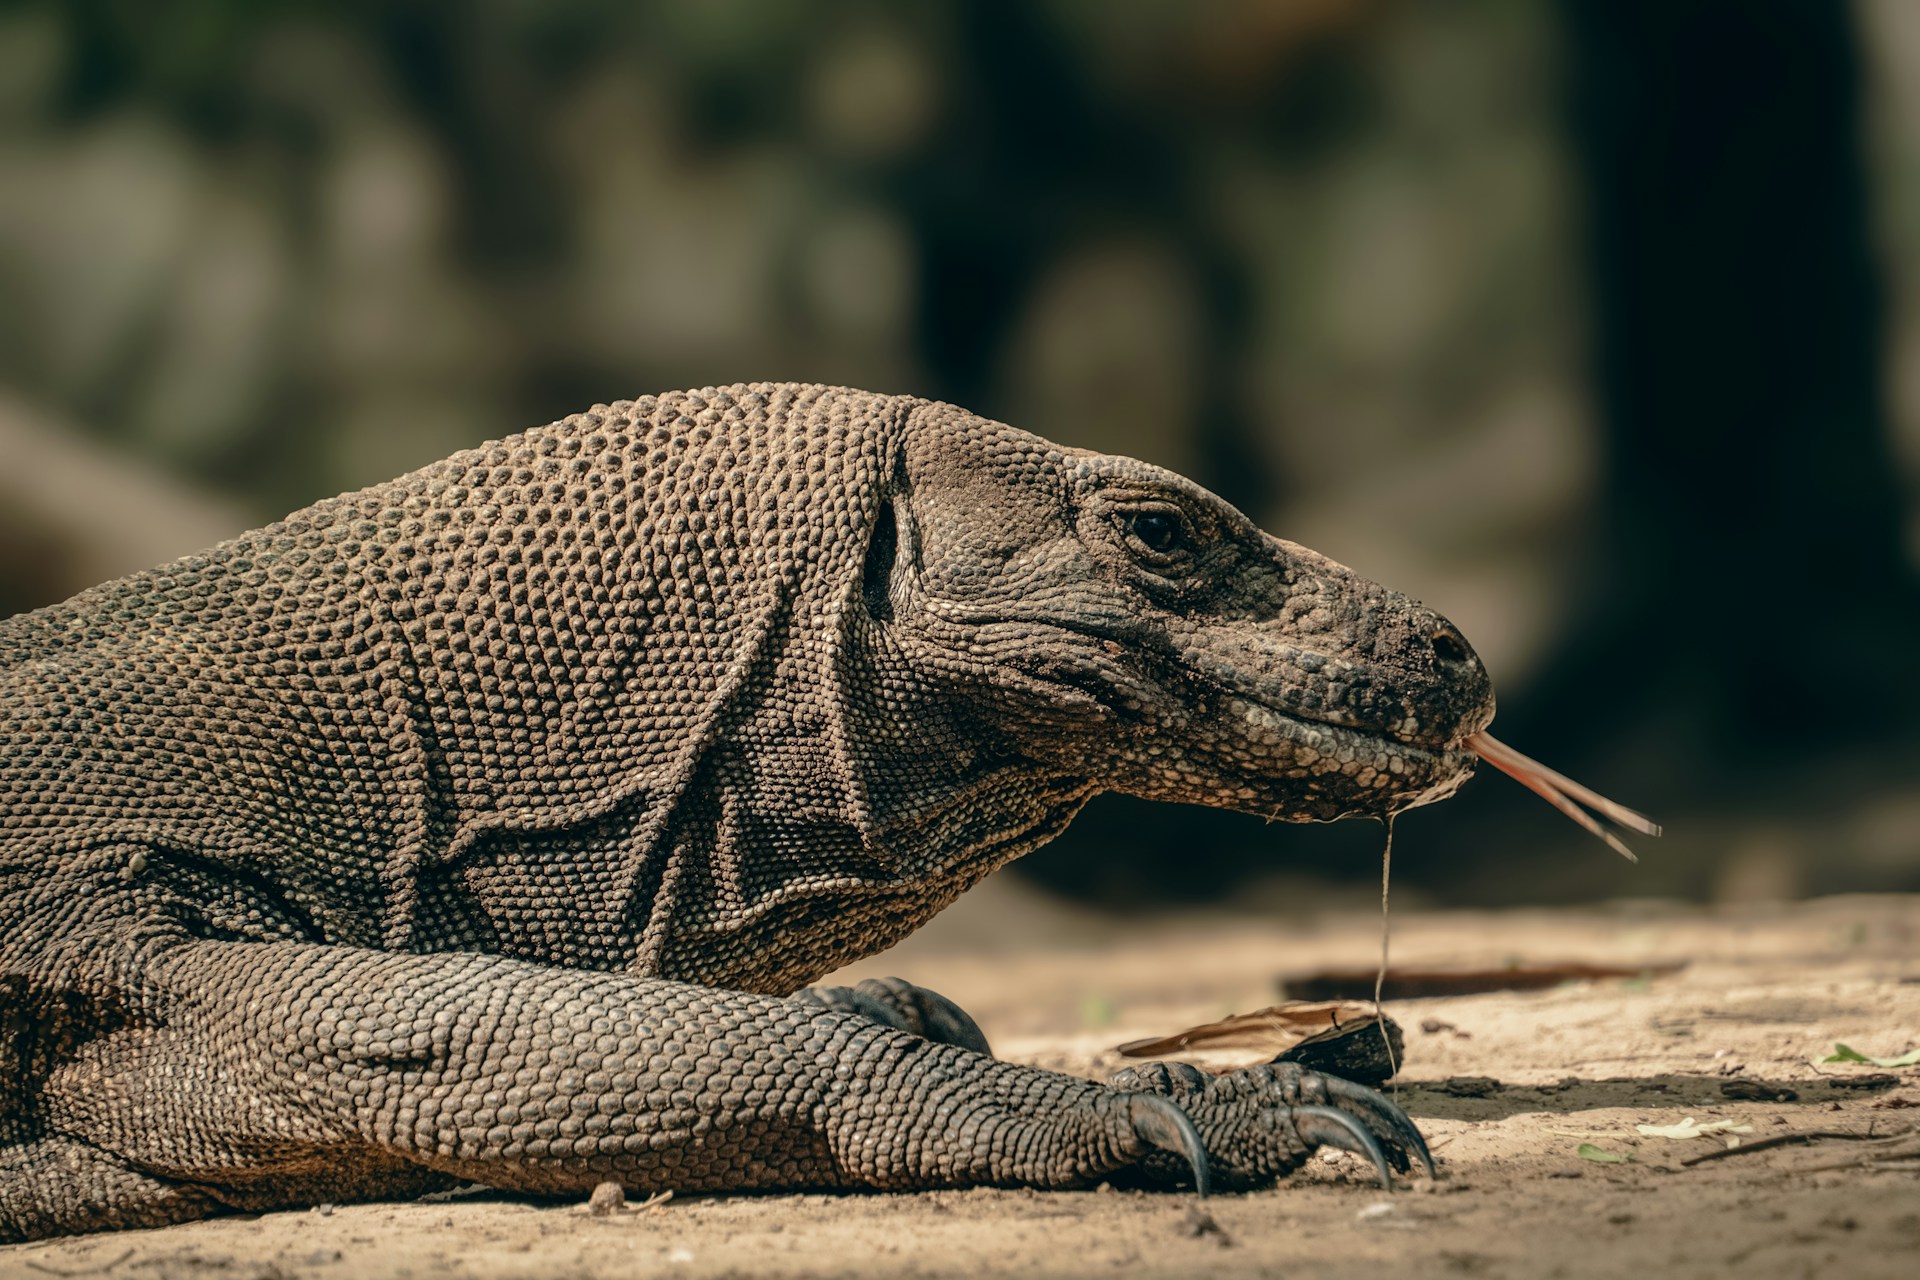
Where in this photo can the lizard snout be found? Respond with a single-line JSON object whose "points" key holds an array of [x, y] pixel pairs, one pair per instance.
{"points": [[1447, 691]]}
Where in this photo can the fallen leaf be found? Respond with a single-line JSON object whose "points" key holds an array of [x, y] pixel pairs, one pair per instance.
{"points": [[1587, 1151], [1688, 1129], [1337, 1037], [1844, 1053], [1270, 1030]]}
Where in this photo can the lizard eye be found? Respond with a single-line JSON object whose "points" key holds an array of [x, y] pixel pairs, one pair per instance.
{"points": [[1161, 532]]}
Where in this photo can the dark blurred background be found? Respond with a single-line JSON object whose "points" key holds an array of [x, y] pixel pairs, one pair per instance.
{"points": [[1594, 324]]}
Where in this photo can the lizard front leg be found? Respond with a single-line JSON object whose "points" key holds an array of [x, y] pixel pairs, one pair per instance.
{"points": [[280, 1073]]}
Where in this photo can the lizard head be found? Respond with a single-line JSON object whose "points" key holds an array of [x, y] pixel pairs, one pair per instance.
{"points": [[1118, 622]]}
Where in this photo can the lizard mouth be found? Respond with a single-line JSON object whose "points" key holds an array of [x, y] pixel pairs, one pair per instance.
{"points": [[1338, 765], [1202, 728], [1366, 703]]}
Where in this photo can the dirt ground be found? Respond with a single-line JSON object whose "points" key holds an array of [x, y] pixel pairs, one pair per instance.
{"points": [[1764, 993]]}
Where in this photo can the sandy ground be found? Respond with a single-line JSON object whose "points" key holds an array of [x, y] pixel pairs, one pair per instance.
{"points": [[1765, 992]]}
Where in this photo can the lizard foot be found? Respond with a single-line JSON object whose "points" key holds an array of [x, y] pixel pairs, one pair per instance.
{"points": [[1259, 1124], [897, 1003]]}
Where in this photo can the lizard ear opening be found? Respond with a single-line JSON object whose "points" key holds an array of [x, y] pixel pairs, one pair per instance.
{"points": [[883, 548]]}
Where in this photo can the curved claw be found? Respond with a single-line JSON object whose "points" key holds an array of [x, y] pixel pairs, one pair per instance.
{"points": [[1331, 1127], [1384, 1119], [1160, 1124]]}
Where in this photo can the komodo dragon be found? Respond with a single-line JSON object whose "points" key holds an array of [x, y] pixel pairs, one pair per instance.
{"points": [[484, 824]]}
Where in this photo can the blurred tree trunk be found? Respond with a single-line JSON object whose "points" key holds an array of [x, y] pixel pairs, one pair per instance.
{"points": [[1750, 593]]}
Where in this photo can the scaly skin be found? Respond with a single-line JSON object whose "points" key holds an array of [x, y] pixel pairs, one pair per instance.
{"points": [[483, 824]]}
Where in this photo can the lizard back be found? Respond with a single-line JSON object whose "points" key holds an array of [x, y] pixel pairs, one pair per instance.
{"points": [[476, 707]]}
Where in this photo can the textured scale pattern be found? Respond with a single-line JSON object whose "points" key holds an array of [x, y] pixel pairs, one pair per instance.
{"points": [[482, 823]]}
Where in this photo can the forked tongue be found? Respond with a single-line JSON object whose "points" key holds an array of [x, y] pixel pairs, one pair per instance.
{"points": [[1563, 793]]}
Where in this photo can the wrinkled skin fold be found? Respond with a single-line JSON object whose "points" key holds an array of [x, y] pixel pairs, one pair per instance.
{"points": [[484, 824]]}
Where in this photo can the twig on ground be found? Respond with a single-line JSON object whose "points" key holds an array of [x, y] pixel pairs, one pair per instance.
{"points": [[80, 1271], [1879, 1159], [1799, 1139]]}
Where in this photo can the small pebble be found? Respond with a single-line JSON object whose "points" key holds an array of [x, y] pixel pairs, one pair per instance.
{"points": [[607, 1198], [1198, 1222]]}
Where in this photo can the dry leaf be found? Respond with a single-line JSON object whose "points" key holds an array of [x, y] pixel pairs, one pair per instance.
{"points": [[1587, 1151], [1274, 1029], [1846, 1053], [1343, 1037], [1687, 1129]]}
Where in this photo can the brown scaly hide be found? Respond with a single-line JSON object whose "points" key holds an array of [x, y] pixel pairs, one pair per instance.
{"points": [[727, 687]]}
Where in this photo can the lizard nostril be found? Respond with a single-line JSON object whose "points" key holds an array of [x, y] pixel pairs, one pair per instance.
{"points": [[1448, 645]]}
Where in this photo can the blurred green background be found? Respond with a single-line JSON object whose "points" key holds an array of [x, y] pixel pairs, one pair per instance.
{"points": [[1594, 324]]}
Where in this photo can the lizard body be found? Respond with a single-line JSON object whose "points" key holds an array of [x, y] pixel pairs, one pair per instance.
{"points": [[484, 823]]}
